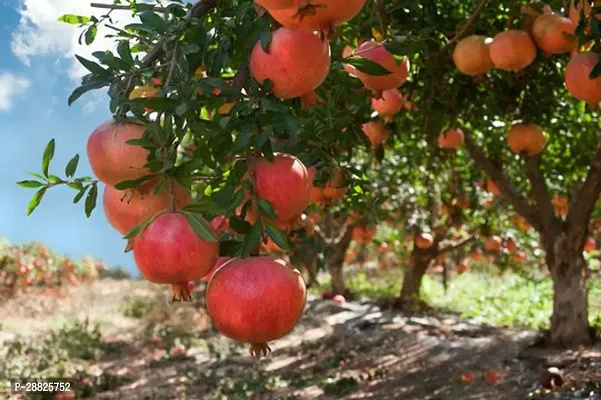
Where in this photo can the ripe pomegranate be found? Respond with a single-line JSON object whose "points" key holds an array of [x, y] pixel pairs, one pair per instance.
{"points": [[389, 104], [219, 263], [374, 51], [376, 132], [492, 377], [577, 78], [296, 62], [383, 247], [285, 183], [590, 245], [339, 299], [519, 257], [512, 50], [333, 189], [472, 56], [169, 251], [510, 245], [451, 138], [317, 15], [551, 33], [221, 223], [476, 254], [462, 268], [256, 300], [424, 240], [125, 209], [528, 139], [111, 158], [491, 186], [493, 244], [278, 4], [467, 377]]}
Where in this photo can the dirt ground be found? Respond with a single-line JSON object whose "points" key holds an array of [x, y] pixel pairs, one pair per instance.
{"points": [[353, 351]]}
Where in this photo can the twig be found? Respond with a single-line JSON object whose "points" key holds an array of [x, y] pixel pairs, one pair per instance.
{"points": [[470, 22], [172, 66], [241, 78], [449, 248], [382, 17], [124, 8]]}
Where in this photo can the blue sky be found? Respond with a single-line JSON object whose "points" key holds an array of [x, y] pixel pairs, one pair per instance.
{"points": [[37, 74]]}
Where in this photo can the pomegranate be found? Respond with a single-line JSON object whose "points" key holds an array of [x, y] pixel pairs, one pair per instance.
{"points": [[169, 251], [424, 240], [472, 56], [493, 377], [477, 254], [491, 186], [219, 263], [221, 223], [111, 158], [348, 52], [519, 257], [462, 268], [317, 15], [333, 189], [285, 183], [493, 244], [374, 51], [510, 245], [125, 209], [364, 234], [590, 245], [296, 62], [278, 4], [467, 377], [530, 15], [551, 33], [451, 138], [512, 50], [577, 78], [389, 104], [339, 299], [256, 300], [526, 139], [376, 132]]}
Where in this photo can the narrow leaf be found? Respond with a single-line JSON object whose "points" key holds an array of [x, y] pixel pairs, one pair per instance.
{"points": [[48, 155], [91, 66], [30, 184], [73, 19], [79, 195], [36, 200], [91, 200], [200, 226], [252, 241], [278, 236], [77, 93], [267, 209], [91, 34], [72, 166], [367, 66], [136, 230]]}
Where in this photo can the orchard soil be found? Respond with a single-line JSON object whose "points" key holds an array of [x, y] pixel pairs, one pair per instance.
{"points": [[152, 350]]}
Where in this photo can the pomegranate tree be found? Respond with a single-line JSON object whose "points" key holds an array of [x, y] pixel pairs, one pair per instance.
{"points": [[256, 300]]}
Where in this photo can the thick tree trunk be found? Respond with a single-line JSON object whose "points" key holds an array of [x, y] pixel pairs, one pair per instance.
{"points": [[336, 261], [569, 322], [337, 275], [412, 282]]}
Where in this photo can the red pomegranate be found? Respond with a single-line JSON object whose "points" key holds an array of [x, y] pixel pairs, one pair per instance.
{"points": [[125, 209], [256, 300], [526, 139], [169, 251], [374, 51], [424, 240], [491, 186], [221, 223], [376, 132], [318, 15], [530, 14], [552, 33], [219, 263], [285, 183], [511, 245], [297, 62], [493, 244], [278, 4], [472, 56], [339, 300], [333, 189], [512, 50], [451, 138], [462, 268], [111, 158], [389, 104], [364, 234], [577, 78], [590, 245]]}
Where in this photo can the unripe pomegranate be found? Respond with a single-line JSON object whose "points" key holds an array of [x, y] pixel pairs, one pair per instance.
{"points": [[111, 158], [296, 62], [451, 138], [125, 209], [526, 139], [577, 78], [285, 183], [552, 33], [512, 50], [389, 104], [169, 251], [424, 240], [256, 300], [374, 51], [376, 132], [472, 56], [317, 16]]}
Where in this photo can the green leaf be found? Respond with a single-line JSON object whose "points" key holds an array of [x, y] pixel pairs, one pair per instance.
{"points": [[242, 142], [77, 93], [91, 66], [267, 209], [133, 183], [125, 52], [367, 66], [153, 20], [30, 184], [91, 198], [73, 19], [596, 71], [53, 179], [136, 230], [278, 236], [240, 226], [252, 241], [265, 40], [72, 166], [91, 34], [48, 155], [35, 200], [206, 205], [200, 226], [81, 193]]}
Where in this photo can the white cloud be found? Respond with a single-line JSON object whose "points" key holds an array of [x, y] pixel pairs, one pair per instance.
{"points": [[11, 86], [39, 33]]}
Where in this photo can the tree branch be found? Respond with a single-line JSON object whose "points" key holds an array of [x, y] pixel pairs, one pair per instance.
{"points": [[124, 8], [507, 189], [583, 203], [470, 22], [540, 192], [241, 78], [451, 247]]}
